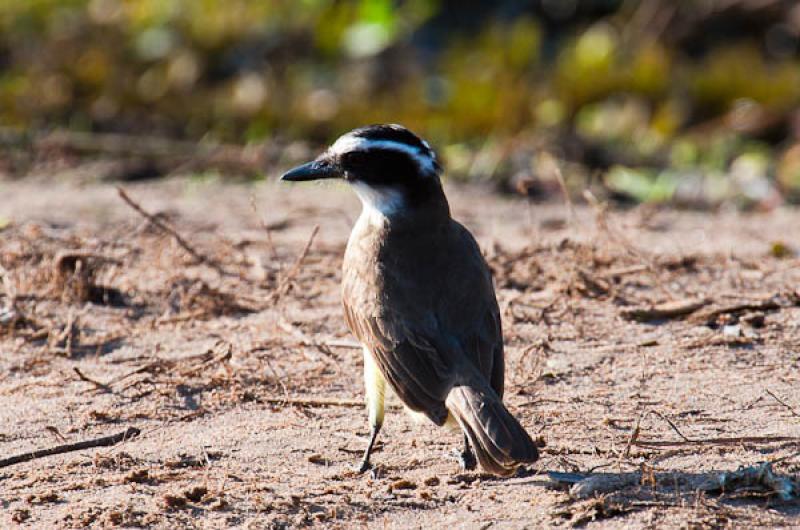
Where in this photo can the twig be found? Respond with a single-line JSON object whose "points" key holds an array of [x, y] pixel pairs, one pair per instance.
{"points": [[105, 441], [779, 400], [624, 271], [265, 226], [342, 344], [785, 458], [633, 437], [100, 386], [320, 402], [769, 304], [314, 402], [221, 358], [671, 309], [674, 428], [171, 231], [283, 286], [564, 191], [146, 368], [717, 441]]}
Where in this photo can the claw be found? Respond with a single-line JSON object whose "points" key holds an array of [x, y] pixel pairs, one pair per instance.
{"points": [[466, 458], [365, 465]]}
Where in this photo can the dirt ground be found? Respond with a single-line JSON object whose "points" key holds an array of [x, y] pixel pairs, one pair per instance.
{"points": [[653, 348]]}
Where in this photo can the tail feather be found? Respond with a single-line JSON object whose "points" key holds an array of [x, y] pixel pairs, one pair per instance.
{"points": [[499, 441]]}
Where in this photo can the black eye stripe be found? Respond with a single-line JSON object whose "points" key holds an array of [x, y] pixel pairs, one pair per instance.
{"points": [[380, 166], [355, 157]]}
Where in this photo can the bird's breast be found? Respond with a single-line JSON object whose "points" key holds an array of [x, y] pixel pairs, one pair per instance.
{"points": [[362, 279]]}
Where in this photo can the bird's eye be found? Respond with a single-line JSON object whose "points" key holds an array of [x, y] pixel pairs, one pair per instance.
{"points": [[354, 159]]}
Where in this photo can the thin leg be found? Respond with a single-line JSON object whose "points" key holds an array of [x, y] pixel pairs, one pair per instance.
{"points": [[375, 386], [365, 465], [467, 457]]}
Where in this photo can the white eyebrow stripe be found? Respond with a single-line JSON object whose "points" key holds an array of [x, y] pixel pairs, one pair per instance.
{"points": [[347, 143]]}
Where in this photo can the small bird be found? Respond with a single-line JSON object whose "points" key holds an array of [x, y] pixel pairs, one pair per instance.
{"points": [[418, 295]]}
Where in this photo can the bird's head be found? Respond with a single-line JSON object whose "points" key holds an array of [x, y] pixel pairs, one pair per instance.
{"points": [[390, 167]]}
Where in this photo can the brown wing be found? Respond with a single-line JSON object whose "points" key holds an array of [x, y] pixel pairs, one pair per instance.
{"points": [[424, 305], [409, 362], [476, 316]]}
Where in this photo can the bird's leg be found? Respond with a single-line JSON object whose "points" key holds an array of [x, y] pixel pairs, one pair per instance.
{"points": [[375, 385], [365, 465], [467, 457]]}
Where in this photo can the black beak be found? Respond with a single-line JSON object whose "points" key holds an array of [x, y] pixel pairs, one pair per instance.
{"points": [[318, 169]]}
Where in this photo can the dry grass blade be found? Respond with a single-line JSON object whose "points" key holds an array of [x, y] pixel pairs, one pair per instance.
{"points": [[782, 402], [286, 281], [736, 440], [634, 436], [272, 252], [224, 357], [100, 386], [314, 402], [172, 232], [672, 425]]}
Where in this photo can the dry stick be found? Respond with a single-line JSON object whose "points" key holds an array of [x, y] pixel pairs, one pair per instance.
{"points": [[784, 458], [105, 441], [350, 344], [100, 386], [779, 400], [564, 191], [314, 402], [146, 368], [624, 271], [762, 305], [674, 428], [265, 227], [717, 441], [319, 402], [633, 438], [286, 280], [221, 358], [171, 231], [671, 309]]}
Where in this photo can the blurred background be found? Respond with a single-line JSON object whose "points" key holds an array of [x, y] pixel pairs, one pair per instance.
{"points": [[693, 103]]}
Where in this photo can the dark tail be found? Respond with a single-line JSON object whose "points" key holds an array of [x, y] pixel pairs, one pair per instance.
{"points": [[499, 441]]}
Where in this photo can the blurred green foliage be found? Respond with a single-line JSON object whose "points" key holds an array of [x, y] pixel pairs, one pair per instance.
{"points": [[249, 70]]}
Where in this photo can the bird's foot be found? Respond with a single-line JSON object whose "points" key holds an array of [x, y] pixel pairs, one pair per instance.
{"points": [[363, 467], [467, 461], [374, 471]]}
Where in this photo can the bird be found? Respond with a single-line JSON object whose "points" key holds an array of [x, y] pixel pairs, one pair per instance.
{"points": [[419, 297]]}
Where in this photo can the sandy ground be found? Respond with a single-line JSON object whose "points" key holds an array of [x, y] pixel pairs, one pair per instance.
{"points": [[246, 385]]}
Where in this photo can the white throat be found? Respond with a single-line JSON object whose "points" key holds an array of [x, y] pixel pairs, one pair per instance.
{"points": [[379, 203]]}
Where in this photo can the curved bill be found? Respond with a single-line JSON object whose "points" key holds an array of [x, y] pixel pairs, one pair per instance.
{"points": [[318, 169]]}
